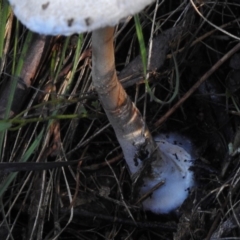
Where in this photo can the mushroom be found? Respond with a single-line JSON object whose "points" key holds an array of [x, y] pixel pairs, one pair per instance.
{"points": [[60, 17], [178, 155]]}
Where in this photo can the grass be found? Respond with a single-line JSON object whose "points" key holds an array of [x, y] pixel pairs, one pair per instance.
{"points": [[60, 119], [4, 14], [142, 46]]}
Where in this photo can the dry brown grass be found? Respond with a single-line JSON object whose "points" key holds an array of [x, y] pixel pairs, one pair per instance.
{"points": [[53, 97]]}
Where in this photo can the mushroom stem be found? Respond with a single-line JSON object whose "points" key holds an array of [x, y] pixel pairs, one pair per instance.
{"points": [[132, 133]]}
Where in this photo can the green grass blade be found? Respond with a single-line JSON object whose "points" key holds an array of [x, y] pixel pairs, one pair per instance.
{"points": [[21, 60], [176, 87], [143, 53], [4, 13], [5, 184], [4, 125], [55, 72], [75, 62], [140, 37], [18, 62]]}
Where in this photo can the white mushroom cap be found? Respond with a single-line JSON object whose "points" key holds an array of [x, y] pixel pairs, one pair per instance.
{"points": [[65, 17]]}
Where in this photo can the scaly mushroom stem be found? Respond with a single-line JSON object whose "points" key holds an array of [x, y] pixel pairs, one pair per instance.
{"points": [[132, 133]]}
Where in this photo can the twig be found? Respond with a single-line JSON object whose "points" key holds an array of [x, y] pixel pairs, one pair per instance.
{"points": [[196, 85], [152, 225]]}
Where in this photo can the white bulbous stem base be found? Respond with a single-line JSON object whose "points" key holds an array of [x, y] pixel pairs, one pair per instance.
{"points": [[178, 156]]}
